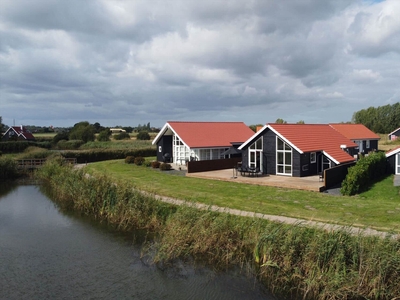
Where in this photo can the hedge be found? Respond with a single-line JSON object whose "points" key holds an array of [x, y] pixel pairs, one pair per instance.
{"points": [[20, 146], [86, 156], [367, 170]]}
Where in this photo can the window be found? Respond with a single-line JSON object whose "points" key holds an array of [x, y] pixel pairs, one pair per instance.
{"points": [[313, 157], [283, 158], [255, 154], [367, 144]]}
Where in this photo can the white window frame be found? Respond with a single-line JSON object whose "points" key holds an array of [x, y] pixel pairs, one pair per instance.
{"points": [[313, 157], [255, 151], [285, 165], [367, 144], [397, 164]]}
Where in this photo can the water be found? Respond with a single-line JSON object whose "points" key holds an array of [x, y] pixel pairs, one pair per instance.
{"points": [[48, 254]]}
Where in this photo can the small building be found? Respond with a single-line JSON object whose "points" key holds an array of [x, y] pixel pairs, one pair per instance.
{"points": [[366, 140], [394, 135], [179, 142], [393, 158], [296, 149], [18, 133], [117, 130]]}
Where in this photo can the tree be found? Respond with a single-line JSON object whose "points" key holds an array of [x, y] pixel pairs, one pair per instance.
{"points": [[280, 121], [254, 127], [143, 135], [82, 131], [104, 135], [301, 122], [60, 136], [382, 119]]}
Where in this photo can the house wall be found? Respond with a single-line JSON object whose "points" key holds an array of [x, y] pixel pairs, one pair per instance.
{"points": [[164, 145], [308, 168], [392, 164], [269, 156]]}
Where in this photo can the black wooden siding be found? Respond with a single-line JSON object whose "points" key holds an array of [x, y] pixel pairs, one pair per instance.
{"points": [[165, 142]]}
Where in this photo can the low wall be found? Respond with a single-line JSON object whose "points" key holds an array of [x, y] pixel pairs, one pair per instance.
{"points": [[336, 175], [212, 165]]}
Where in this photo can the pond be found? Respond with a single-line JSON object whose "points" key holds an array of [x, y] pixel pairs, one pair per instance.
{"points": [[46, 253]]}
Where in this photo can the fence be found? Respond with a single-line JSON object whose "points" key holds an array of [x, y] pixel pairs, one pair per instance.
{"points": [[212, 165], [37, 163], [336, 175]]}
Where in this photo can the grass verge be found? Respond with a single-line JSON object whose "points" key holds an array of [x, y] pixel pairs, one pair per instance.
{"points": [[378, 208]]}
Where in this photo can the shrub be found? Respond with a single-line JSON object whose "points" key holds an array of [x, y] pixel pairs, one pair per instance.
{"points": [[139, 161], [8, 169], [165, 167], [147, 163], [1, 153], [155, 164], [122, 136], [59, 137], [129, 160], [104, 136], [143, 135], [84, 156], [364, 173], [69, 145]]}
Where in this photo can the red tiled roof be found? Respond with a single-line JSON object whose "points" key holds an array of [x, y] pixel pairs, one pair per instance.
{"points": [[355, 131], [315, 137], [210, 134]]}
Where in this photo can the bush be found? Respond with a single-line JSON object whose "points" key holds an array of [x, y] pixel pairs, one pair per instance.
{"points": [[147, 163], [1, 153], [122, 136], [59, 137], [104, 136], [8, 169], [155, 164], [364, 173], [69, 145], [139, 161], [143, 135], [129, 160], [165, 167], [19, 146]]}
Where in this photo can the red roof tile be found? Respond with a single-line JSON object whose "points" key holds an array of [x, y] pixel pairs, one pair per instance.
{"points": [[316, 137], [209, 134], [355, 131]]}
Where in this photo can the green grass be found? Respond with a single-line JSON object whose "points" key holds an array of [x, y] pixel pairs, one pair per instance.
{"points": [[114, 144], [378, 208]]}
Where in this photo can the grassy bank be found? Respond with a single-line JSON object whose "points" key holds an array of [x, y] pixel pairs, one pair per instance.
{"points": [[378, 208], [292, 261]]}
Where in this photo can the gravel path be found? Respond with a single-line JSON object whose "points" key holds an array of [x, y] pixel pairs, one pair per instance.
{"points": [[281, 219]]}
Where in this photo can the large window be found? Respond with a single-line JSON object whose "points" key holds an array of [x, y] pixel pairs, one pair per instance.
{"points": [[283, 158], [180, 152], [255, 154]]}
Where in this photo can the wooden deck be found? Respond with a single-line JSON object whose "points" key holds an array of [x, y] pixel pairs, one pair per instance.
{"points": [[37, 163], [309, 183]]}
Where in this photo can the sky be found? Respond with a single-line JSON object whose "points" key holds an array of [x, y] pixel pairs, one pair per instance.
{"points": [[133, 62]]}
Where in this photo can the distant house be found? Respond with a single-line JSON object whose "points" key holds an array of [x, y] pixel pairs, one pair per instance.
{"points": [[366, 140], [393, 158], [178, 142], [296, 149], [394, 135], [18, 133]]}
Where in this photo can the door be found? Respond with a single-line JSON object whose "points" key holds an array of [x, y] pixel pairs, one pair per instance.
{"points": [[255, 160]]}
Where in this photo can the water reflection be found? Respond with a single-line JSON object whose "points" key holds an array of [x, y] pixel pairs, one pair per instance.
{"points": [[46, 254]]}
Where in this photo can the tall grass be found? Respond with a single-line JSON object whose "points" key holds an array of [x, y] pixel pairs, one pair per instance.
{"points": [[292, 261], [8, 168]]}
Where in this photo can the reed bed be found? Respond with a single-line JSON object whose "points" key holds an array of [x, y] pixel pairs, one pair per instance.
{"points": [[291, 260]]}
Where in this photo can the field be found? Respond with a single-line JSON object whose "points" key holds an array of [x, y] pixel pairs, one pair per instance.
{"points": [[378, 208]]}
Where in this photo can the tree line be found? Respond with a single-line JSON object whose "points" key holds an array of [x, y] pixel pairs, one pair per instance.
{"points": [[381, 119]]}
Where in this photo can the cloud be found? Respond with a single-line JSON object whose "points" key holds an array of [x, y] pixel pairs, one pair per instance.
{"points": [[129, 62]]}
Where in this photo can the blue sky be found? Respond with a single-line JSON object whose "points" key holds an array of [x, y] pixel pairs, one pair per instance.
{"points": [[130, 62]]}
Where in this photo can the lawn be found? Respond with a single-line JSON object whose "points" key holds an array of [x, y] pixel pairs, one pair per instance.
{"points": [[378, 208]]}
